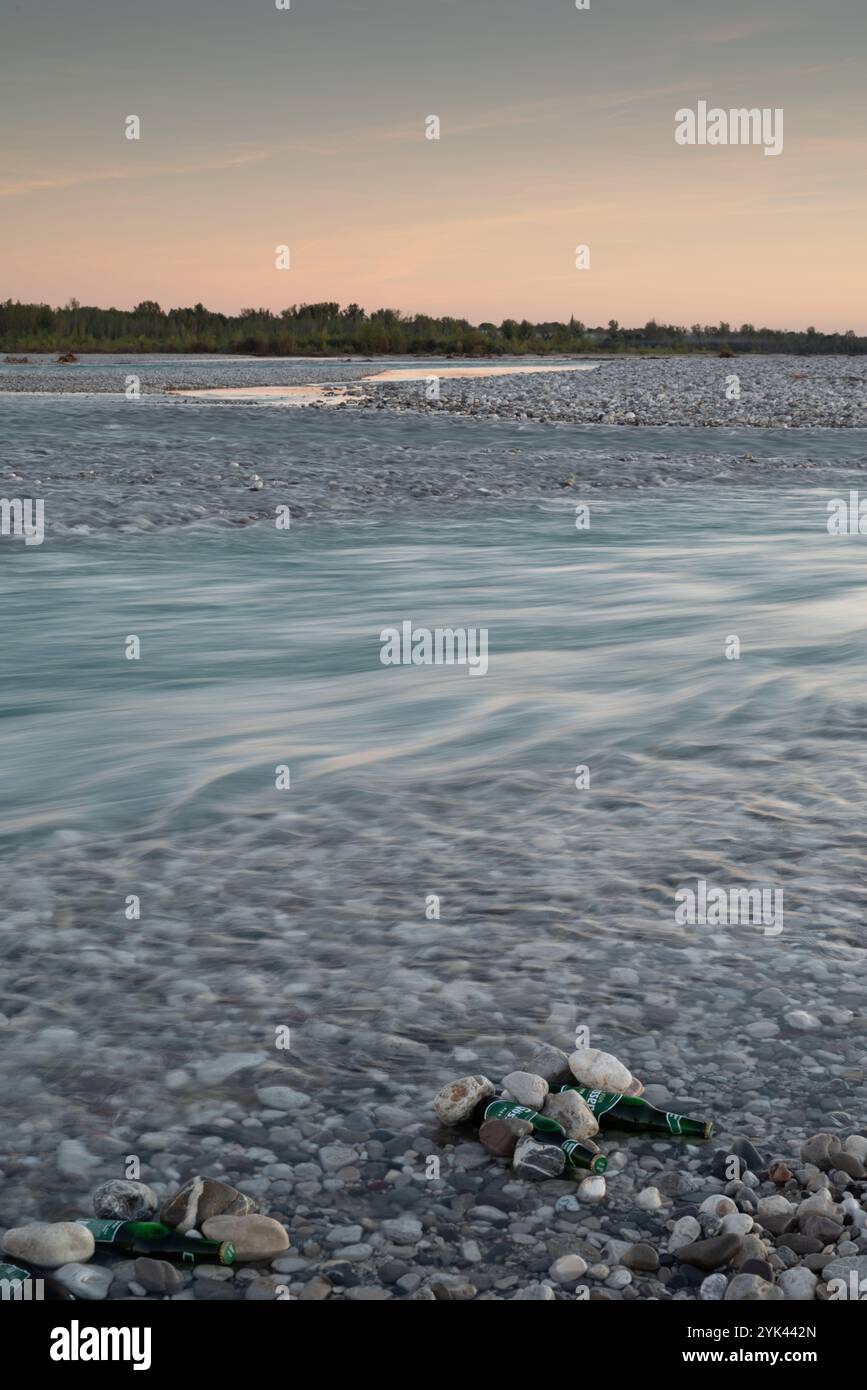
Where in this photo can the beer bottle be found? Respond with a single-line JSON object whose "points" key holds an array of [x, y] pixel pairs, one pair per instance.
{"points": [[616, 1111], [580, 1155], [21, 1283], [510, 1110], [153, 1238]]}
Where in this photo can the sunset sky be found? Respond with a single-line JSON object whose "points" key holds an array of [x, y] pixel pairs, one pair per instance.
{"points": [[261, 126]]}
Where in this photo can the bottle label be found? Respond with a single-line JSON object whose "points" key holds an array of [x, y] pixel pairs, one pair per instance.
{"points": [[600, 1102], [506, 1110], [13, 1274], [103, 1231]]}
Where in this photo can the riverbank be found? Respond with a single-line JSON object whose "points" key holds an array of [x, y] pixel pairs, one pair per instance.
{"points": [[703, 392]]}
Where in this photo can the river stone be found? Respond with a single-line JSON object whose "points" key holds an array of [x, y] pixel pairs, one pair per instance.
{"points": [[572, 1112], [713, 1288], [850, 1165], [568, 1269], [821, 1228], [599, 1070], [642, 1258], [711, 1254], [281, 1098], [538, 1161], [534, 1293], [844, 1266], [52, 1246], [685, 1231], [526, 1088], [124, 1200], [592, 1189], [746, 1288], [85, 1281], [457, 1101], [799, 1284], [403, 1230], [158, 1276], [500, 1137], [202, 1198], [254, 1237], [551, 1064], [857, 1144], [819, 1150]]}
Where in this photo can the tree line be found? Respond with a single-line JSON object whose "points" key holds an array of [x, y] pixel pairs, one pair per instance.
{"points": [[326, 329]]}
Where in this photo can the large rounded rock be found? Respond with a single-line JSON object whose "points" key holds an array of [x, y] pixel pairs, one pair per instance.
{"points": [[538, 1161], [710, 1254], [50, 1247], [599, 1070], [456, 1102], [202, 1198], [123, 1200], [573, 1113], [254, 1237], [526, 1088]]}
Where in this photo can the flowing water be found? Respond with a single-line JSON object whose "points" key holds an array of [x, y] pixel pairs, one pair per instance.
{"points": [[309, 905]]}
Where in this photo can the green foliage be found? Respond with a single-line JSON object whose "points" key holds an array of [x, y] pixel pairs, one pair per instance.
{"points": [[326, 330]]}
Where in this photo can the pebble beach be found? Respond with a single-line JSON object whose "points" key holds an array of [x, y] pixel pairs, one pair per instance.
{"points": [[326, 1159]]}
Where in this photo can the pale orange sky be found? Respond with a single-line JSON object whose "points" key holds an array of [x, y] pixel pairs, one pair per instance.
{"points": [[306, 127]]}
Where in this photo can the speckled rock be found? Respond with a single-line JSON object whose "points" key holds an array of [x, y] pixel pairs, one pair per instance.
{"points": [[202, 1198], [551, 1064], [456, 1102], [574, 1114], [538, 1161]]}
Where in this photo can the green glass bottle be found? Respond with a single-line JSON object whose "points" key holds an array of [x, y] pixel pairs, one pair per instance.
{"points": [[153, 1238], [616, 1111], [20, 1283], [509, 1110], [580, 1155]]}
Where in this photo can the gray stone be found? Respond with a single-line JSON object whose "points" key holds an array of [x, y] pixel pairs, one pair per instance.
{"points": [[403, 1230], [158, 1276], [711, 1254], [538, 1161], [551, 1064], [798, 1284], [281, 1098], [819, 1150], [526, 1088], [713, 1288], [124, 1200], [85, 1281], [747, 1288], [534, 1293]]}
